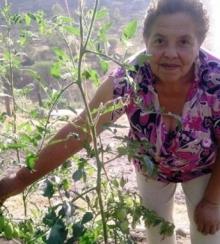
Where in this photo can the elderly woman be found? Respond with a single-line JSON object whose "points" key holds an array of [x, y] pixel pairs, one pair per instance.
{"points": [[175, 107]]}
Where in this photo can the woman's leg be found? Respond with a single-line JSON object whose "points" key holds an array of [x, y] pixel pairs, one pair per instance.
{"points": [[194, 190], [157, 196]]}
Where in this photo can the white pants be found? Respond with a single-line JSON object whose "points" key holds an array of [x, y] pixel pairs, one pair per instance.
{"points": [[159, 197]]}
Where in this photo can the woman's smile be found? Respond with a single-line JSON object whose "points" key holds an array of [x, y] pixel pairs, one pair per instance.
{"points": [[168, 66]]}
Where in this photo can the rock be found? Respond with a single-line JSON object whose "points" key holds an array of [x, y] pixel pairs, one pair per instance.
{"points": [[138, 235], [62, 113], [181, 232]]}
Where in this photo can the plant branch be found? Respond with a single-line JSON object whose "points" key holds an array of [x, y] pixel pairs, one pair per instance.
{"points": [[82, 194], [105, 56], [50, 111], [91, 24]]}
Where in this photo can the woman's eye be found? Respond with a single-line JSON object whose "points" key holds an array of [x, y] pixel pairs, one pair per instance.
{"points": [[159, 41], [184, 42]]}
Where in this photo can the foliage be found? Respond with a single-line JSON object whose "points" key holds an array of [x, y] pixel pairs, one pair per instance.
{"points": [[101, 210]]}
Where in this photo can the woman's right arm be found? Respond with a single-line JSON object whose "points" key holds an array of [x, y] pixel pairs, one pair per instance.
{"points": [[63, 145]]}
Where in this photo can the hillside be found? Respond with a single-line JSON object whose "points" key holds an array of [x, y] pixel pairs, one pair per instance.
{"points": [[134, 8]]}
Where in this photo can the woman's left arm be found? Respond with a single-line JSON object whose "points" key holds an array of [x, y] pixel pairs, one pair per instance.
{"points": [[207, 212]]}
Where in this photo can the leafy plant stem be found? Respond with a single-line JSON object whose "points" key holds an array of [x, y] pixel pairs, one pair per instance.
{"points": [[92, 127], [50, 111], [91, 23], [11, 82]]}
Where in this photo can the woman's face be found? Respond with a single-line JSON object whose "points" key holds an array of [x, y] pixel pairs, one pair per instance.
{"points": [[173, 46]]}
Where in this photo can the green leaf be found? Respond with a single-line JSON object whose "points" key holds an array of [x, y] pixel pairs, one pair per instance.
{"points": [[101, 13], [148, 165], [88, 238], [129, 30], [27, 19], [142, 58], [59, 53], [103, 31], [3, 117], [55, 70], [54, 94], [58, 234], [105, 27], [87, 217], [32, 16], [122, 150], [86, 74], [41, 129], [166, 228], [78, 230], [31, 160], [49, 190], [115, 183], [151, 218], [92, 75], [16, 18], [66, 184], [50, 218], [64, 19], [124, 226], [27, 139], [77, 175], [123, 182], [89, 149], [108, 108], [104, 66], [72, 30], [14, 146]]}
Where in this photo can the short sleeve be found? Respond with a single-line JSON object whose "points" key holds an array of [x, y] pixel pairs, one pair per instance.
{"points": [[216, 115], [210, 81]]}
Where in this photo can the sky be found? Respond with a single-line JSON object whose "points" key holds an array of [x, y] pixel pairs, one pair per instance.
{"points": [[213, 38]]}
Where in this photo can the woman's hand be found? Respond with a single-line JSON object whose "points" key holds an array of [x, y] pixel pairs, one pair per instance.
{"points": [[207, 217], [10, 186]]}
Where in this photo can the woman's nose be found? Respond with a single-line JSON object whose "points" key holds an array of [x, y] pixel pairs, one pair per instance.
{"points": [[170, 51]]}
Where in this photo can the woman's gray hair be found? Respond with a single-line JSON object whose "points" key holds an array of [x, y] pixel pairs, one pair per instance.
{"points": [[193, 8]]}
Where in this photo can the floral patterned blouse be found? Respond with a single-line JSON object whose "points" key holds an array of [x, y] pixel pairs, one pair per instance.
{"points": [[188, 151]]}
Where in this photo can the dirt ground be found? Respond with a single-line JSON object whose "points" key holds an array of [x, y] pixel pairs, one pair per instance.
{"points": [[117, 168]]}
